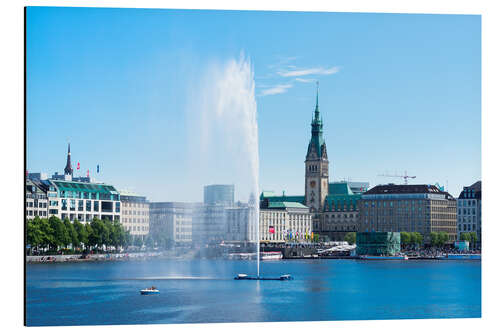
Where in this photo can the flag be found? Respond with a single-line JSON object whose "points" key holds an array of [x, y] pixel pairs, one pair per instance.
{"points": [[78, 166], [88, 172], [97, 168], [271, 229]]}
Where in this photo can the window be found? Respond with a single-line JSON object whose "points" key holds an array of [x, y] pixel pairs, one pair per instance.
{"points": [[117, 207], [80, 205], [72, 204], [96, 206], [88, 205], [64, 203]]}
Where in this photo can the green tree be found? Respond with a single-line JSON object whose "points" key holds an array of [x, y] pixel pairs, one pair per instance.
{"points": [[81, 232], [434, 237], [59, 233], [73, 234], [350, 238], [107, 232], [465, 236], [87, 235], [316, 238], [34, 234], [405, 238], [98, 235], [417, 238], [443, 238], [473, 238]]}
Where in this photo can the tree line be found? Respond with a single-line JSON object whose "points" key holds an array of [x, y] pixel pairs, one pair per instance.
{"points": [[53, 234], [413, 238]]}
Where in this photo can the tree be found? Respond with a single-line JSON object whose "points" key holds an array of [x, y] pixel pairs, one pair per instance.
{"points": [[73, 235], [442, 238], [473, 237], [98, 233], [149, 241], [34, 234], [350, 237], [434, 238], [81, 232], [465, 236], [59, 233], [417, 238], [86, 236], [316, 238], [405, 238]]}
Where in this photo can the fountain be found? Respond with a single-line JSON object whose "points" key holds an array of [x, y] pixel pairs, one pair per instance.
{"points": [[229, 113]]}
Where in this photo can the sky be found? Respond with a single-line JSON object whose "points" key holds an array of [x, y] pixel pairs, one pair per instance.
{"points": [[397, 92]]}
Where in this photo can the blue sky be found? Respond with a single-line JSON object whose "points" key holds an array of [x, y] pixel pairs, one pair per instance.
{"points": [[397, 92]]}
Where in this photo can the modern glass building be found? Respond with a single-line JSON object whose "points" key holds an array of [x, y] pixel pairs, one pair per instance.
{"points": [[218, 195], [378, 243]]}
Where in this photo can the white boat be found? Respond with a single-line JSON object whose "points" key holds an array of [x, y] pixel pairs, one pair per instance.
{"points": [[150, 291], [277, 255]]}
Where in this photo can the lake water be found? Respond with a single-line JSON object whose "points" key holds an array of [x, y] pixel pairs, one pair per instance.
{"points": [[204, 291]]}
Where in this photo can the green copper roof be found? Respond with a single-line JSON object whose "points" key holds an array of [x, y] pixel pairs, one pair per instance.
{"points": [[317, 139], [339, 189], [285, 204], [84, 187]]}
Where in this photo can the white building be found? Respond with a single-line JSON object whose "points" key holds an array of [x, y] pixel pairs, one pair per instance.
{"points": [[134, 213], [290, 221], [172, 220], [36, 199]]}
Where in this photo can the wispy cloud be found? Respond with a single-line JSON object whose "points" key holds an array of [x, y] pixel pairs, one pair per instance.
{"points": [[299, 79], [310, 71], [278, 89]]}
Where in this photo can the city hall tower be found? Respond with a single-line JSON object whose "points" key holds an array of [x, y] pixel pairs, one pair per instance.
{"points": [[316, 163]]}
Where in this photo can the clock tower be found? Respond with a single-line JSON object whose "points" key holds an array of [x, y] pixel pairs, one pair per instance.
{"points": [[316, 177]]}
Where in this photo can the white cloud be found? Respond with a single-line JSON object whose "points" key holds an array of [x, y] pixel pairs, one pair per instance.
{"points": [[278, 89], [304, 80], [309, 71]]}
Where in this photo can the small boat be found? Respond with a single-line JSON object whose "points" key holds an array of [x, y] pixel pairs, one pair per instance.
{"points": [[276, 255], [284, 277], [150, 291]]}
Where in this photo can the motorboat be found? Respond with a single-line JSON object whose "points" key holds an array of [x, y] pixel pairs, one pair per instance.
{"points": [[284, 277], [276, 255], [150, 291]]}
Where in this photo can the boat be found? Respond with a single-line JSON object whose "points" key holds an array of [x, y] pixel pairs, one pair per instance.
{"points": [[284, 277], [150, 291], [276, 255], [402, 257]]}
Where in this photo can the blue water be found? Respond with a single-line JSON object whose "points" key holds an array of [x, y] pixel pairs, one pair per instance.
{"points": [[204, 291]]}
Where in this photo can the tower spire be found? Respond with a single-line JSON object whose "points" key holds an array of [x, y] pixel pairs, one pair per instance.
{"points": [[316, 111], [68, 170]]}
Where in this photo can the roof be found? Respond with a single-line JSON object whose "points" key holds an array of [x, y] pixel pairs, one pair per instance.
{"points": [[285, 204], [471, 192], [84, 187], [339, 188], [404, 189]]}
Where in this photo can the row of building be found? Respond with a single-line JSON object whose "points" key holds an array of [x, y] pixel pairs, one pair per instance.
{"points": [[327, 209]]}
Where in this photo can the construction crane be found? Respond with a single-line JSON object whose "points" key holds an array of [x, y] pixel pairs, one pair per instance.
{"points": [[405, 177]]}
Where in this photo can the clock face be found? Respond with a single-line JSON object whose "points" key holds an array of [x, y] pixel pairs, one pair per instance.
{"points": [[312, 183]]}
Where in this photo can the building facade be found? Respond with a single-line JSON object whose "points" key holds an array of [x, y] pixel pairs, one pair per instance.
{"points": [[218, 195], [285, 221], [410, 208], [469, 210], [36, 199], [172, 220], [134, 213]]}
